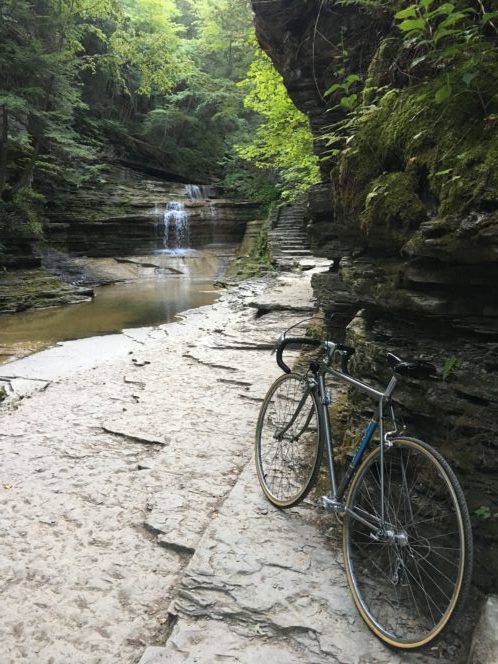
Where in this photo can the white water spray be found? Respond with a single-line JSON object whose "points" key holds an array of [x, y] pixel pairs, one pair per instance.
{"points": [[198, 192], [176, 226]]}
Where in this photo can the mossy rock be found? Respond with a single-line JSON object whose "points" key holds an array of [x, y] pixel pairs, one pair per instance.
{"points": [[392, 210], [440, 157]]}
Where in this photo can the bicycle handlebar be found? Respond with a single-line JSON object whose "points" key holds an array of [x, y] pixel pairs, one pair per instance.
{"points": [[346, 351], [304, 341]]}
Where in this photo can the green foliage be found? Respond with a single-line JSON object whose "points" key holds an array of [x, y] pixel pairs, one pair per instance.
{"points": [[283, 142], [147, 40], [348, 99], [392, 209], [428, 22], [243, 180], [450, 367], [28, 202], [151, 80], [223, 30], [485, 512], [420, 137], [258, 261], [41, 59], [444, 34]]}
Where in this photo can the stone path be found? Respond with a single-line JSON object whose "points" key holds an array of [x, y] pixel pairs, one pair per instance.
{"points": [[133, 527], [289, 242]]}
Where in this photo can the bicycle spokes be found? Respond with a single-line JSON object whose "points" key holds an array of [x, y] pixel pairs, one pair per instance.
{"points": [[406, 577]]}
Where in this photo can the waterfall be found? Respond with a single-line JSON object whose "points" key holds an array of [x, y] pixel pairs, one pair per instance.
{"points": [[176, 226], [198, 192]]}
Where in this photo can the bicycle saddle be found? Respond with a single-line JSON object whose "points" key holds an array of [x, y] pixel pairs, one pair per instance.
{"points": [[414, 369]]}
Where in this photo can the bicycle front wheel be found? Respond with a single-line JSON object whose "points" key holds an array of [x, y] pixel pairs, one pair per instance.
{"points": [[410, 575], [288, 441]]}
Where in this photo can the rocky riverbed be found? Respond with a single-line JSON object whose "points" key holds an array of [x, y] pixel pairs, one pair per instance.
{"points": [[133, 525]]}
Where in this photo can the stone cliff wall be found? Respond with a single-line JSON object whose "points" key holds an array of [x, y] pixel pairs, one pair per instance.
{"points": [[409, 213]]}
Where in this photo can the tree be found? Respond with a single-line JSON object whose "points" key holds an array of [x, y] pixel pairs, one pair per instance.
{"points": [[224, 28], [41, 57], [283, 142], [148, 41]]}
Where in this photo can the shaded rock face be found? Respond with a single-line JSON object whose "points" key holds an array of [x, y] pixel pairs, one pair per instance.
{"points": [[303, 40], [415, 262], [18, 253]]}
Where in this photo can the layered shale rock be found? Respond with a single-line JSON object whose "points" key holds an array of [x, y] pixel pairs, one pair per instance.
{"points": [[125, 215]]}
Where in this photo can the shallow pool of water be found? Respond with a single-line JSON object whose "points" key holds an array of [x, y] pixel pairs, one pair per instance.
{"points": [[144, 301]]}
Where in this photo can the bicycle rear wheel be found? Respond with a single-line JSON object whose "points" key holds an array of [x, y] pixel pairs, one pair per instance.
{"points": [[410, 577], [288, 442]]}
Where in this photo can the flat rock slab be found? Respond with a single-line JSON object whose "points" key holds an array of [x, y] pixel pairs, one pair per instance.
{"points": [[113, 465], [291, 292], [268, 585], [485, 643], [131, 517]]}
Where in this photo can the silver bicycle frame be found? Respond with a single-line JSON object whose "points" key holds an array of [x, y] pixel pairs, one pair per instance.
{"points": [[335, 500]]}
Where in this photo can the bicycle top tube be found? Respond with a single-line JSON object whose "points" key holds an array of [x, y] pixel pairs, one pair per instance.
{"points": [[415, 368]]}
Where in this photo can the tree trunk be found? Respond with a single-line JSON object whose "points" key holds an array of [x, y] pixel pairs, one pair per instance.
{"points": [[3, 149], [27, 174]]}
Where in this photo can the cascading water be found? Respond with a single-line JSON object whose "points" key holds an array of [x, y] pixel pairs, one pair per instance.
{"points": [[176, 226], [198, 192]]}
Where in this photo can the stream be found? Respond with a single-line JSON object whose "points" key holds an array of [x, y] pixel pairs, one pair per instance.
{"points": [[153, 290]]}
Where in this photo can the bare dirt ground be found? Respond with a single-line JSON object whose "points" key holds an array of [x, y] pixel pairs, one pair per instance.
{"points": [[132, 525]]}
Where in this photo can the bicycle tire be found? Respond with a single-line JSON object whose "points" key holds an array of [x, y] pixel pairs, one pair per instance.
{"points": [[407, 590], [288, 453]]}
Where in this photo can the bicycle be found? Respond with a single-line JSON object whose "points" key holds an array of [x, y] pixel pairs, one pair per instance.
{"points": [[407, 541]]}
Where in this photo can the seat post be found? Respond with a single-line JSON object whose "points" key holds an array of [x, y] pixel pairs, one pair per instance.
{"points": [[391, 387]]}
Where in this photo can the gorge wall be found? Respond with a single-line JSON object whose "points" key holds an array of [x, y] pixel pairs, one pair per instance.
{"points": [[408, 211], [125, 214]]}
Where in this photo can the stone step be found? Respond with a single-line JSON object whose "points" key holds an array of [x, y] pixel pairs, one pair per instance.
{"points": [[289, 238], [289, 231], [291, 213], [295, 252], [297, 240]]}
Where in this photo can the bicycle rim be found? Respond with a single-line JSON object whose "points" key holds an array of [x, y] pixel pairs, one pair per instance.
{"points": [[408, 581], [288, 445]]}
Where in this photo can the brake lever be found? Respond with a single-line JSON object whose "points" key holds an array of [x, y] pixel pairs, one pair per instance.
{"points": [[281, 337]]}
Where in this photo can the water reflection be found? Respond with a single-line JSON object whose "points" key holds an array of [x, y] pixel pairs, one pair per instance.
{"points": [[139, 303]]}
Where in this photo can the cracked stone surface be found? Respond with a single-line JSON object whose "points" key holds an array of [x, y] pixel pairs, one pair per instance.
{"points": [[112, 472], [133, 526], [268, 585]]}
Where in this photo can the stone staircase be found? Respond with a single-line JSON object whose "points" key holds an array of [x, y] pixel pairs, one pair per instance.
{"points": [[288, 238]]}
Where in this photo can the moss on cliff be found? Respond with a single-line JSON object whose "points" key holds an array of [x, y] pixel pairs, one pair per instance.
{"points": [[411, 146], [392, 210]]}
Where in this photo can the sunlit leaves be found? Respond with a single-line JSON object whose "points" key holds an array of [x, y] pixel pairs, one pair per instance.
{"points": [[148, 40], [283, 142], [223, 30]]}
